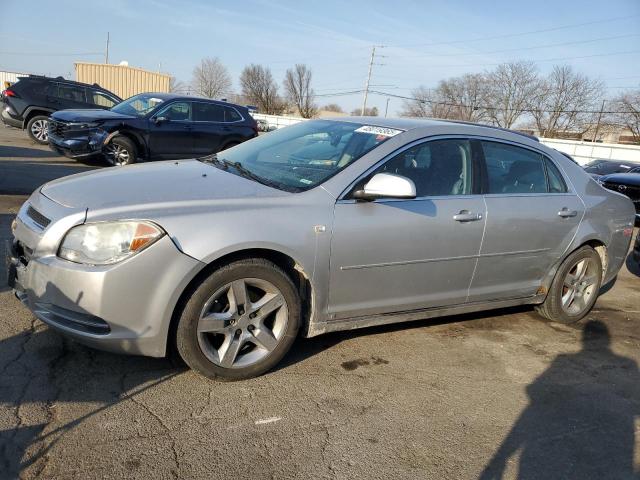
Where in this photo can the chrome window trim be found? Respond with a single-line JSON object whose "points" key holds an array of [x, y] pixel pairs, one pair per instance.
{"points": [[570, 190], [221, 106]]}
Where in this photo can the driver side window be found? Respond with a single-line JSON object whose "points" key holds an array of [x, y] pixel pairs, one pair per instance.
{"points": [[437, 168], [177, 112]]}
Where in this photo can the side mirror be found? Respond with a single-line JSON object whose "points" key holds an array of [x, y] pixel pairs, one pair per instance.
{"points": [[158, 120], [386, 185]]}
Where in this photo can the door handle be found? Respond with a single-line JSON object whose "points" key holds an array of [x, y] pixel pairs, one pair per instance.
{"points": [[566, 213], [467, 216]]}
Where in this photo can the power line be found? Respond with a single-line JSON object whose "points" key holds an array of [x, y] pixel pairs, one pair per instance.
{"points": [[537, 60], [549, 45], [31, 54], [510, 35], [486, 107]]}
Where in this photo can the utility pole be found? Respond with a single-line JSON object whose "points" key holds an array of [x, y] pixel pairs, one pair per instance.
{"points": [[106, 53], [386, 109], [366, 86], [595, 135]]}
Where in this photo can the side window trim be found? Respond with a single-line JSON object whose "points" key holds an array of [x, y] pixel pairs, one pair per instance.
{"points": [[548, 161], [344, 196]]}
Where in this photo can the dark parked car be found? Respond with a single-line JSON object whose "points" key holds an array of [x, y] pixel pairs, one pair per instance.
{"points": [[597, 168], [627, 184], [152, 126], [30, 101]]}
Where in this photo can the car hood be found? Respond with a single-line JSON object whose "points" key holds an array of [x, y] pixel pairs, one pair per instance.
{"points": [[88, 115], [159, 185], [622, 178]]}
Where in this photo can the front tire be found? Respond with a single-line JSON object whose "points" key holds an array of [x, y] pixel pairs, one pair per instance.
{"points": [[38, 129], [575, 287], [240, 321], [120, 151]]}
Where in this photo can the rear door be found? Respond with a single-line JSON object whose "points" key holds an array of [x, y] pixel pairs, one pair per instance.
{"points": [[171, 136], [208, 127], [532, 217], [71, 96]]}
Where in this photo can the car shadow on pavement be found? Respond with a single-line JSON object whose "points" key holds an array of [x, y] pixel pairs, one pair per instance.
{"points": [[23, 152], [580, 421], [22, 178]]}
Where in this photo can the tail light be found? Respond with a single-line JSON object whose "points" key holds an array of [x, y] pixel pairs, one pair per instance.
{"points": [[10, 93]]}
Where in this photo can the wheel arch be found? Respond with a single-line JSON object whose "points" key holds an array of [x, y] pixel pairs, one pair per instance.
{"points": [[592, 241], [136, 139], [288, 264], [31, 112]]}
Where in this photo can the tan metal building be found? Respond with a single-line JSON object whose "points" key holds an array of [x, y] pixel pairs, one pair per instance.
{"points": [[122, 80]]}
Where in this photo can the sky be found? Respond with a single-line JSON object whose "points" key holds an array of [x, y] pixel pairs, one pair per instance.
{"points": [[420, 42]]}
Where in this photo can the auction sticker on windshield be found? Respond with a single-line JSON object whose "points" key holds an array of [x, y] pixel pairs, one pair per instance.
{"points": [[385, 132]]}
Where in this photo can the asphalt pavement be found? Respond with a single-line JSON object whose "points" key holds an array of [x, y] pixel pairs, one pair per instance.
{"points": [[495, 395]]}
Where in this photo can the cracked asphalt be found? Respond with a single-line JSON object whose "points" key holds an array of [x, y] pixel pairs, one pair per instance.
{"points": [[494, 395]]}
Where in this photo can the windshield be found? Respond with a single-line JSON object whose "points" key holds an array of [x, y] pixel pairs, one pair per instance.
{"points": [[138, 105], [603, 167], [304, 155]]}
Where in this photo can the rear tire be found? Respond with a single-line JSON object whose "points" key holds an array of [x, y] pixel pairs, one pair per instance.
{"points": [[240, 321], [575, 287], [38, 129], [120, 151]]}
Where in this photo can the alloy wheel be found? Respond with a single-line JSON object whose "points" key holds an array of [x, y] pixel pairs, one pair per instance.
{"points": [[242, 323], [117, 154], [579, 286], [40, 130]]}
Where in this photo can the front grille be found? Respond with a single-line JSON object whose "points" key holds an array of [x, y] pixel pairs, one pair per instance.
{"points": [[57, 128], [37, 217]]}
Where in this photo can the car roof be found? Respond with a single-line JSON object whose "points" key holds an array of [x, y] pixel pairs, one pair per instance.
{"points": [[412, 123], [176, 96], [42, 78]]}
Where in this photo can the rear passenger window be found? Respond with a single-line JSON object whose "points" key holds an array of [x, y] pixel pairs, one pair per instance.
{"points": [[231, 115], [437, 168], [177, 112], [513, 169], [69, 92], [208, 112], [556, 183]]}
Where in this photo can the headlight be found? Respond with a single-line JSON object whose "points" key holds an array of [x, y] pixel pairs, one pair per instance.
{"points": [[107, 243]]}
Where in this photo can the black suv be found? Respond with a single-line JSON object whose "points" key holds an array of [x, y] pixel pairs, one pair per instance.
{"points": [[30, 101], [151, 126]]}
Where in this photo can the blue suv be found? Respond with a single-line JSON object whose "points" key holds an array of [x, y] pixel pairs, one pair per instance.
{"points": [[151, 126]]}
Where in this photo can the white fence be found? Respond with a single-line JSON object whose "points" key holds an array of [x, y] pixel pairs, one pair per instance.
{"points": [[277, 121], [584, 152]]}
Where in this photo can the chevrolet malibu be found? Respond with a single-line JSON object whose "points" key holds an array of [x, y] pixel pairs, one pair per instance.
{"points": [[322, 226]]}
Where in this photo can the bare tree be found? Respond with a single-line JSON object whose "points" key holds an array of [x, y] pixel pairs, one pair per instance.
{"points": [[368, 112], [297, 85], [462, 98], [332, 107], [629, 105], [211, 78], [427, 103], [511, 86], [176, 86], [559, 103], [259, 88]]}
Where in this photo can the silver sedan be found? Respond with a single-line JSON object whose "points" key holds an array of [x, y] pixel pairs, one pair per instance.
{"points": [[322, 226]]}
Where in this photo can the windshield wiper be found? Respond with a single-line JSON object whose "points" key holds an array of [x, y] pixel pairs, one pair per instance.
{"points": [[213, 158], [252, 176]]}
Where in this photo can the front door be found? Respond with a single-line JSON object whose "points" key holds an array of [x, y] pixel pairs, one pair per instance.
{"points": [[532, 218], [397, 255], [171, 134]]}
